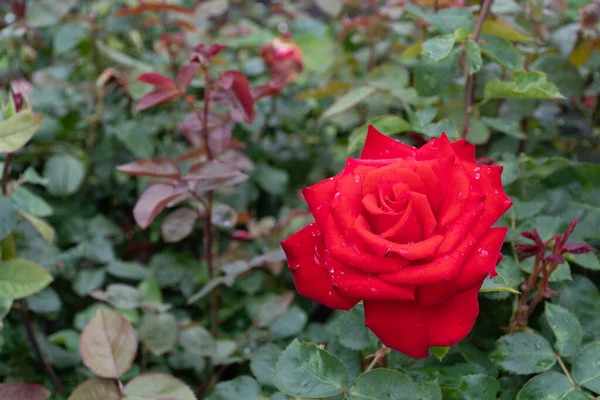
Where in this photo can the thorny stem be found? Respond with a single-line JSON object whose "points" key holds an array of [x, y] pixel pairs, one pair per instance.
{"points": [[212, 301], [546, 272], [522, 312], [24, 309], [379, 354], [470, 79]]}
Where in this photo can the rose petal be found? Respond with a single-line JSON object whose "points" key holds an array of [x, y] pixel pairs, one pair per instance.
{"points": [[411, 329], [448, 267], [304, 251], [406, 226], [461, 227], [436, 148], [464, 150], [318, 197], [380, 246], [456, 187], [479, 264], [351, 283], [425, 213], [379, 146], [349, 254], [392, 174]]}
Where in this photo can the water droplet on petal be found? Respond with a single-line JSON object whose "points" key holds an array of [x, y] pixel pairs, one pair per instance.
{"points": [[336, 195], [356, 249], [482, 253], [356, 178], [478, 176]]}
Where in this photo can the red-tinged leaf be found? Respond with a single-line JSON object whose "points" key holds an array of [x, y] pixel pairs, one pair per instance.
{"points": [[209, 51], [157, 80], [156, 167], [194, 153], [268, 89], [22, 391], [151, 7], [186, 75], [554, 258], [184, 25], [238, 159], [156, 97], [179, 224], [239, 85], [211, 169], [577, 248], [153, 201], [96, 389]]}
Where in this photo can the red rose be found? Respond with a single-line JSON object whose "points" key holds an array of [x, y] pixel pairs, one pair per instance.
{"points": [[407, 231], [283, 57]]}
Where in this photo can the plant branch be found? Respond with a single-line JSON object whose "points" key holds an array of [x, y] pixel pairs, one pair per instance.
{"points": [[208, 255], [5, 172], [379, 355], [470, 79], [565, 370]]}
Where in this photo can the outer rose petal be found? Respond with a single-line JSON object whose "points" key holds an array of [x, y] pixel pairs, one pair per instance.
{"points": [[303, 251], [480, 263], [412, 329], [318, 197], [378, 146], [436, 148], [464, 150]]}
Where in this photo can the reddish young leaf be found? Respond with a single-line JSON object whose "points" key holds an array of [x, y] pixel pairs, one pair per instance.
{"points": [[184, 25], [577, 248], [153, 201], [156, 97], [209, 51], [267, 89], [22, 391], [240, 87], [157, 167], [157, 80], [179, 224], [214, 175], [144, 6], [186, 75]]}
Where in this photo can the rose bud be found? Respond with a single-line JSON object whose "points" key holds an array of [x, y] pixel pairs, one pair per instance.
{"points": [[283, 57], [407, 231]]}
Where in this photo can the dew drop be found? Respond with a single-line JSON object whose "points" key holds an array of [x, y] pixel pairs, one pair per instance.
{"points": [[476, 169], [478, 176], [344, 244], [446, 257], [336, 195], [496, 191], [356, 178], [295, 267], [317, 260], [374, 290], [482, 253], [507, 203], [356, 249]]}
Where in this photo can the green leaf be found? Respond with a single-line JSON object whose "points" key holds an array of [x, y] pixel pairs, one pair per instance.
{"points": [[461, 34], [350, 329], [17, 130], [501, 51], [384, 384], [348, 100], [21, 278], [388, 77], [305, 370], [508, 127], [47, 12], [8, 217], [581, 297], [588, 261], [386, 124], [566, 328], [586, 367], [262, 363], [45, 229], [68, 36], [242, 387], [88, 280], [27, 201], [478, 133], [197, 340], [156, 385], [439, 352], [272, 309], [550, 385], [523, 353], [272, 180], [474, 60], [439, 47], [128, 270], [44, 302], [290, 323], [474, 387], [523, 85], [108, 344], [431, 77], [5, 305], [561, 73], [447, 20], [65, 174], [159, 332]]}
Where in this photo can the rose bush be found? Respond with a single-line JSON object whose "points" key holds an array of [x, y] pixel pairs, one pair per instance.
{"points": [[407, 231]]}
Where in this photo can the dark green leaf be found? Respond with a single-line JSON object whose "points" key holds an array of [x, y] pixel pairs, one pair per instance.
{"points": [[8, 217], [384, 384], [550, 385], [304, 370], [65, 174], [523, 353], [523, 85], [158, 331], [474, 387], [501, 51], [242, 387], [197, 340], [262, 363], [350, 329], [580, 296], [586, 367], [439, 47], [566, 328], [474, 60]]}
